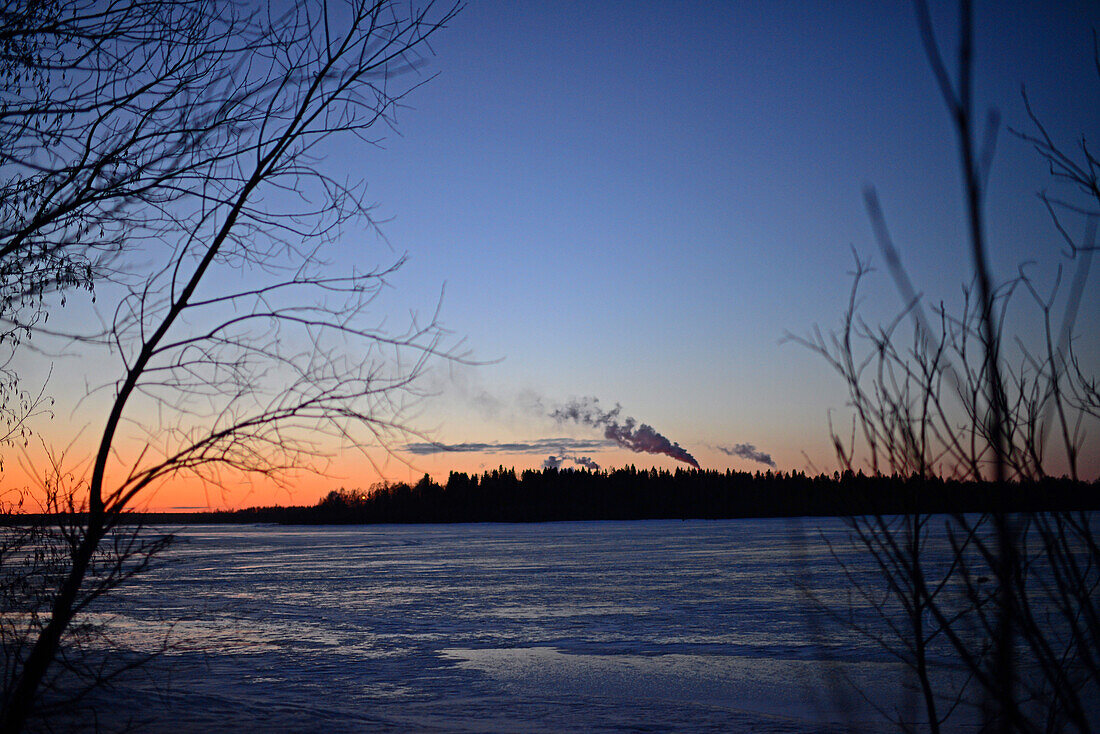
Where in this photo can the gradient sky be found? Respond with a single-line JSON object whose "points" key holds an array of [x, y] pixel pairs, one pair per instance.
{"points": [[636, 201]]}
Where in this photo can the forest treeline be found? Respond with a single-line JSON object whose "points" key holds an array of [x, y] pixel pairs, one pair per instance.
{"points": [[503, 495]]}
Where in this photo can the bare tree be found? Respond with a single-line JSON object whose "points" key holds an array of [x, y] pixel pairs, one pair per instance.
{"points": [[36, 551], [102, 123], [1007, 597], [224, 113]]}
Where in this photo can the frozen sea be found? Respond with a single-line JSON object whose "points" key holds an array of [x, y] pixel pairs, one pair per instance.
{"points": [[689, 626]]}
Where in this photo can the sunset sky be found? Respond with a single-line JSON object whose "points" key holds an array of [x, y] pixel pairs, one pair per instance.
{"points": [[635, 202]]}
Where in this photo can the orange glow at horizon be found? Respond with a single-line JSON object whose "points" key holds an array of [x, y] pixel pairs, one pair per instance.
{"points": [[351, 469], [346, 470]]}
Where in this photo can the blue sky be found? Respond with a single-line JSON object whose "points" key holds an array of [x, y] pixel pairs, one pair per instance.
{"points": [[637, 201]]}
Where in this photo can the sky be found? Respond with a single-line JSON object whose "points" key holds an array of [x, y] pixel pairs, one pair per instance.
{"points": [[635, 203]]}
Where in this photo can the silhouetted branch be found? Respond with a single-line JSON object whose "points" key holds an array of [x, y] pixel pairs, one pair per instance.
{"points": [[168, 129], [1008, 596]]}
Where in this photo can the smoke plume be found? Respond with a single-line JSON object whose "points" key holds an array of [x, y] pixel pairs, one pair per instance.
{"points": [[586, 462], [554, 462], [627, 433], [747, 451]]}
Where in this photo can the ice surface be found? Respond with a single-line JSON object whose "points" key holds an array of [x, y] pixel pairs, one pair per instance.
{"points": [[635, 626]]}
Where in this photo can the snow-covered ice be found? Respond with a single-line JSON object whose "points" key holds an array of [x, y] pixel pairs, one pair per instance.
{"points": [[635, 626]]}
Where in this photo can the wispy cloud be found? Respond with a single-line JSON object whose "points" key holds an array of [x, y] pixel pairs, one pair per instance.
{"points": [[626, 433], [538, 446], [748, 451]]}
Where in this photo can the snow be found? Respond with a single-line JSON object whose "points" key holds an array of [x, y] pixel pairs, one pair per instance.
{"points": [[636, 626]]}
